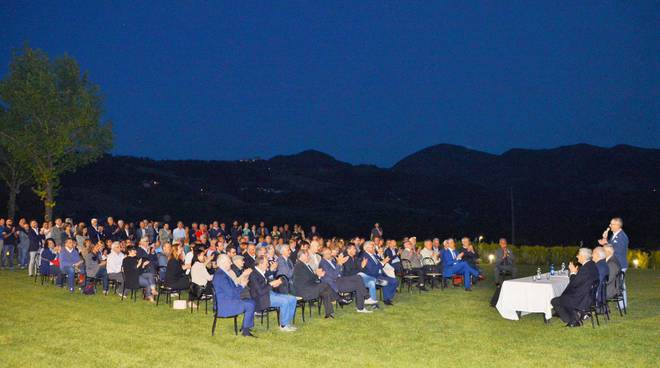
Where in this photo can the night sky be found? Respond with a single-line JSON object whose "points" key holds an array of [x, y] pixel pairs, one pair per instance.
{"points": [[365, 82]]}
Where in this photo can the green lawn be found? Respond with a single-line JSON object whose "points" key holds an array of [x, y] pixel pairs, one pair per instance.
{"points": [[46, 326]]}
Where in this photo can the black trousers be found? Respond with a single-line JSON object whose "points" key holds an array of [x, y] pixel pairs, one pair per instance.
{"points": [[419, 272], [566, 313], [351, 284], [327, 296]]}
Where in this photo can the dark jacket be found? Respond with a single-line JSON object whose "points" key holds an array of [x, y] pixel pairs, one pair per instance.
{"points": [[351, 267], [305, 281], [578, 292], [259, 290]]}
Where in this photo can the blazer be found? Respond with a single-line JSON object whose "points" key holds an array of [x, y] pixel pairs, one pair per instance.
{"points": [[351, 267], [284, 267], [227, 295], [259, 290], [332, 273], [447, 261], [614, 269], [47, 256], [35, 240], [499, 257], [249, 262], [94, 235], [620, 244], [373, 268], [577, 293], [306, 281]]}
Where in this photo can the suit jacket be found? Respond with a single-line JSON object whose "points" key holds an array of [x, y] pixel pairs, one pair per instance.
{"points": [[448, 261], [94, 235], [227, 295], [620, 244], [249, 261], [578, 292], [499, 257], [306, 281], [284, 268], [332, 273], [35, 240], [140, 233], [259, 290], [373, 268], [614, 269], [351, 267]]}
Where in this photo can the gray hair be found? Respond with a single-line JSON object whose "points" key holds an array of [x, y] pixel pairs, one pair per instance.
{"points": [[608, 248], [281, 248], [237, 258], [600, 251], [221, 259], [586, 252]]}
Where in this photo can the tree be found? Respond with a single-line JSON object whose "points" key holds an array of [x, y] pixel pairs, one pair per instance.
{"points": [[57, 115]]}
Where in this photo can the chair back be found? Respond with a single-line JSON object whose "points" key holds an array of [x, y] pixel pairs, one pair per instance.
{"points": [[619, 281], [593, 293], [406, 265], [428, 264]]}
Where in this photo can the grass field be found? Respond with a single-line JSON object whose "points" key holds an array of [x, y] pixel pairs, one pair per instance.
{"points": [[45, 326]]}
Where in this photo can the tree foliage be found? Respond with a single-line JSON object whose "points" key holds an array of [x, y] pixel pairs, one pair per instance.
{"points": [[53, 119]]}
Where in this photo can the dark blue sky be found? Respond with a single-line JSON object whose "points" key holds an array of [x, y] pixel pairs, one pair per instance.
{"points": [[365, 82]]}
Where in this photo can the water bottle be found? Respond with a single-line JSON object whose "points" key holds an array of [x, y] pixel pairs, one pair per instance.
{"points": [[552, 269], [538, 273]]}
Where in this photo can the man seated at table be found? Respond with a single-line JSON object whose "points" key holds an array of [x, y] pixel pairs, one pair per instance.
{"points": [[308, 284], [504, 261], [577, 295], [372, 269], [228, 288], [264, 297], [343, 284], [614, 269], [453, 264]]}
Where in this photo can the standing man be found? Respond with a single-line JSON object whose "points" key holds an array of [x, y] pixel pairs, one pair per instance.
{"points": [[35, 246], [9, 236], [504, 260], [619, 241], [377, 231]]}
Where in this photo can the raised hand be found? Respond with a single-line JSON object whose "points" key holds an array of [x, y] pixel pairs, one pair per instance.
{"points": [[364, 262]]}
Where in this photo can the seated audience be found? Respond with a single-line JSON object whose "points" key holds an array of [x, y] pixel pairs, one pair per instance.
{"points": [[308, 284], [470, 255], [372, 272], [393, 253], [95, 265], [134, 275], [264, 297], [49, 259], [577, 295], [598, 257], [614, 269], [504, 261], [453, 264], [414, 261], [430, 256], [113, 266], [175, 277], [228, 288], [70, 261], [284, 267], [200, 275], [342, 284]]}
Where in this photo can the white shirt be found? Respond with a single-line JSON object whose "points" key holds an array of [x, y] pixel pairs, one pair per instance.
{"points": [[179, 234], [199, 274], [114, 262]]}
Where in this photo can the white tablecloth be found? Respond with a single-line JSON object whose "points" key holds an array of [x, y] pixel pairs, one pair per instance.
{"points": [[528, 296]]}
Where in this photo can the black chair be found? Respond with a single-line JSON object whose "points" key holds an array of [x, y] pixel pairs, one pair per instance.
{"points": [[266, 313], [132, 285], [618, 297], [168, 291], [350, 297], [215, 316], [431, 272], [590, 310], [300, 302], [504, 274], [407, 277], [199, 294]]}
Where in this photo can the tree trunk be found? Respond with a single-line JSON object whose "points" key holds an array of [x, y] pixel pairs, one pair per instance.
{"points": [[49, 202], [11, 204]]}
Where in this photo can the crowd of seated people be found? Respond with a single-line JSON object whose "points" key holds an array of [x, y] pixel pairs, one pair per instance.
{"points": [[248, 268]]}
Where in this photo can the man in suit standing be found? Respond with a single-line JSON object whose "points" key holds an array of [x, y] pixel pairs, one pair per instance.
{"points": [[614, 269], [35, 245], [453, 264], [577, 294], [350, 284], [619, 241], [504, 261], [309, 286], [372, 267], [377, 231], [228, 288], [94, 233], [264, 297]]}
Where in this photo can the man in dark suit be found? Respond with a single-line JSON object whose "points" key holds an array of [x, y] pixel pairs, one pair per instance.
{"points": [[578, 294], [619, 241], [614, 269], [309, 286], [504, 261], [352, 265], [35, 245], [228, 301], [372, 268], [264, 297], [94, 233], [284, 267], [350, 284], [250, 256]]}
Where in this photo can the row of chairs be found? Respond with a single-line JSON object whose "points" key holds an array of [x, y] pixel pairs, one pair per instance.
{"points": [[600, 303]]}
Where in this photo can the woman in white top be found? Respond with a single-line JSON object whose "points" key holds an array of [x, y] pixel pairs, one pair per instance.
{"points": [[199, 273]]}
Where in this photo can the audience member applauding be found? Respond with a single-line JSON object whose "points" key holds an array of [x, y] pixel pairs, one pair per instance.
{"points": [[134, 275], [577, 295], [453, 264], [614, 269], [284, 267], [175, 277], [264, 297], [393, 252], [308, 284], [200, 275], [470, 255], [429, 255], [49, 263], [414, 262], [95, 265], [70, 261], [342, 284], [113, 266], [228, 288], [372, 267], [504, 261]]}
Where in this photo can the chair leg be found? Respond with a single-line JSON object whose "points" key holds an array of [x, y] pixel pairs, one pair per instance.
{"points": [[303, 311], [123, 292], [215, 319], [236, 325], [158, 298], [267, 320]]}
